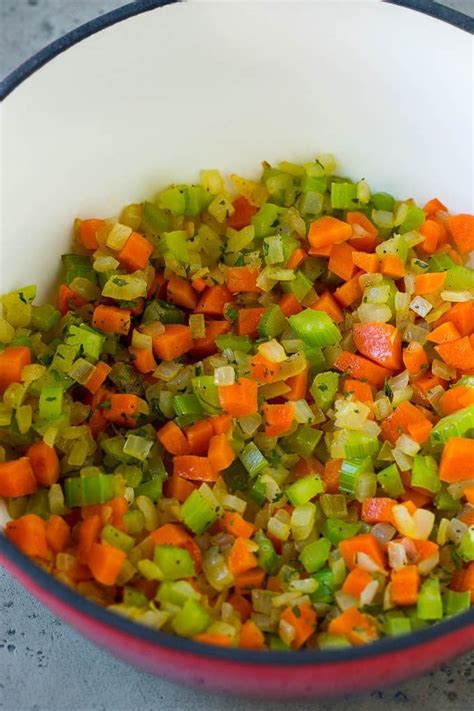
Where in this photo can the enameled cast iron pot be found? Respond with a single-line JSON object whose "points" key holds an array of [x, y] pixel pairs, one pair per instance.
{"points": [[155, 91]]}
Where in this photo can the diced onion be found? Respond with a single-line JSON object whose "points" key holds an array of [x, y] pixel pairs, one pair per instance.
{"points": [[369, 592], [383, 532], [302, 412], [407, 445], [424, 522], [272, 351], [457, 296], [345, 601], [443, 371], [118, 236], [397, 555], [365, 562], [224, 375], [420, 306]]}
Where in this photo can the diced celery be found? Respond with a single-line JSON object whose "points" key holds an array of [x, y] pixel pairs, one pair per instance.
{"points": [[300, 286], [456, 602], [350, 472], [267, 557], [89, 341], [197, 512], [429, 604], [440, 262], [413, 220], [44, 317], [395, 623], [390, 481], [176, 592], [176, 245], [191, 619], [459, 278], [175, 563], [207, 393], [265, 221], [465, 548], [304, 489], [154, 219], [272, 323], [252, 459], [134, 598], [324, 389], [119, 539], [383, 201], [50, 403], [314, 555], [303, 441], [315, 328], [344, 196], [336, 530], [425, 473], [88, 490], [459, 424]]}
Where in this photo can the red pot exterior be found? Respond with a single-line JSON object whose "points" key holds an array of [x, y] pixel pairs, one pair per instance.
{"points": [[258, 679]]}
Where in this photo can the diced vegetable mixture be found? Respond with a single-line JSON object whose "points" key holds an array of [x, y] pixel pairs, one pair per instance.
{"points": [[249, 418]]}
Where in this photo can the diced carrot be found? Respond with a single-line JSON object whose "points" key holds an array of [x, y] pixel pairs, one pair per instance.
{"points": [[463, 580], [243, 213], [444, 333], [421, 387], [44, 462], [424, 549], [123, 409], [58, 534], [218, 640], [198, 436], [175, 487], [12, 361], [242, 279], [303, 467], [105, 562], [434, 205], [264, 370], [97, 423], [241, 605], [404, 419], [220, 454], [302, 619], [233, 523], [358, 218], [457, 354], [248, 321], [250, 579], [377, 509], [143, 359], [380, 342], [136, 252], [462, 316], [331, 475], [173, 534], [181, 292], [173, 438], [221, 423], [68, 300], [298, 385], [174, 342], [363, 543], [327, 303], [157, 288], [350, 292], [356, 582], [432, 232], [456, 399], [87, 534], [117, 507], [360, 391], [273, 581], [28, 533], [111, 319], [296, 258], [405, 585], [340, 261], [328, 230], [457, 460], [415, 358], [278, 419], [393, 266], [416, 497], [213, 299], [17, 478], [251, 637], [198, 284], [429, 283], [469, 494], [88, 232], [323, 251], [367, 262], [461, 228], [241, 558], [355, 626], [239, 399], [97, 377], [361, 368], [206, 346], [290, 305], [195, 468]]}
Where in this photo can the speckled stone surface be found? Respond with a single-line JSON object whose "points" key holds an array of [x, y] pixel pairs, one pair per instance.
{"points": [[44, 665]]}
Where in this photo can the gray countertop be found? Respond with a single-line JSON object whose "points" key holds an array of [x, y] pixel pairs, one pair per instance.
{"points": [[44, 665]]}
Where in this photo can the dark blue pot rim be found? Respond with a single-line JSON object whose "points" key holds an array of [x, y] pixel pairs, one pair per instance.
{"points": [[54, 587]]}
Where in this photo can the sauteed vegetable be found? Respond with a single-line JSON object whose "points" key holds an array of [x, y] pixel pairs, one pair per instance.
{"points": [[248, 419]]}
